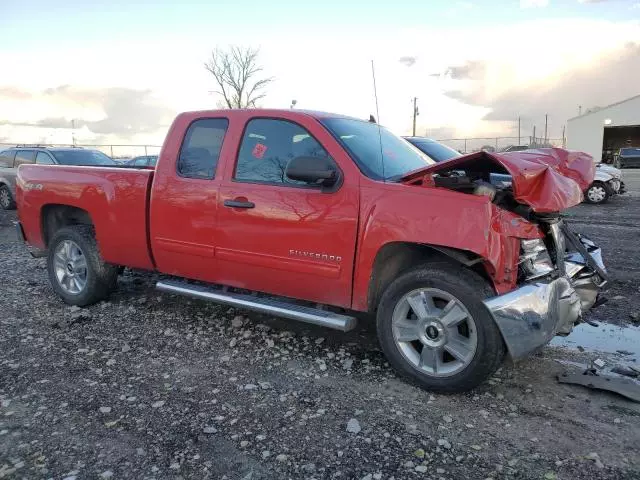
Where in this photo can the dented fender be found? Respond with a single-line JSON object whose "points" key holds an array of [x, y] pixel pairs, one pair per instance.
{"points": [[438, 217]]}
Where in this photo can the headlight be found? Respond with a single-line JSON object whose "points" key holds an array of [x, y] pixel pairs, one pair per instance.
{"points": [[535, 261]]}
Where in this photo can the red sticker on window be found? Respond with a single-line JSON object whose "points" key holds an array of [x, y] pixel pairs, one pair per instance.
{"points": [[259, 150]]}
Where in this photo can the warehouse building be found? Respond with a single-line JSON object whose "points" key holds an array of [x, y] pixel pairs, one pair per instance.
{"points": [[601, 132]]}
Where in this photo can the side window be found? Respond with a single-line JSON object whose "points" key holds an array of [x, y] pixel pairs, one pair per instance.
{"points": [[43, 159], [268, 146], [141, 162], [6, 158], [201, 148], [25, 156]]}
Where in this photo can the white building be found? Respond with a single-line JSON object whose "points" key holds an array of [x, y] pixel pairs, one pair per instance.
{"points": [[603, 131]]}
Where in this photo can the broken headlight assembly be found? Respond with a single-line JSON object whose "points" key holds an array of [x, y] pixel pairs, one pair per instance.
{"points": [[535, 261]]}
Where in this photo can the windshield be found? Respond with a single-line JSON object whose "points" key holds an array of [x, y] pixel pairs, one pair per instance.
{"points": [[630, 151], [362, 140], [435, 150], [82, 157]]}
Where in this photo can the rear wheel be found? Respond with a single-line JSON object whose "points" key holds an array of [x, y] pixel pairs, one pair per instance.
{"points": [[76, 270], [6, 199], [435, 330], [597, 193]]}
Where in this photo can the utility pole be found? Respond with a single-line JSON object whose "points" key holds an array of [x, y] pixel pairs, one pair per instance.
{"points": [[518, 129], [535, 141], [545, 127], [73, 132], [579, 109], [564, 143], [415, 114]]}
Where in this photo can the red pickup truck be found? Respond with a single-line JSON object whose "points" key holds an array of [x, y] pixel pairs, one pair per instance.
{"points": [[316, 217]]}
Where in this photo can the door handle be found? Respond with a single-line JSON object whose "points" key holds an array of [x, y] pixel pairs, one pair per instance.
{"points": [[239, 204]]}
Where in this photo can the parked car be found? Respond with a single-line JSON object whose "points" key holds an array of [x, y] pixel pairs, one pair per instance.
{"points": [[12, 158], [439, 152], [515, 148], [143, 161], [628, 157], [313, 216], [607, 182]]}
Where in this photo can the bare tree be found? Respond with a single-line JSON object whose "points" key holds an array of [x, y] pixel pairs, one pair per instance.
{"points": [[237, 73]]}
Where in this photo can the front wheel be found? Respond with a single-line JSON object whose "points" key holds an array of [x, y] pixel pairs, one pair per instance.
{"points": [[76, 270], [597, 193], [435, 330]]}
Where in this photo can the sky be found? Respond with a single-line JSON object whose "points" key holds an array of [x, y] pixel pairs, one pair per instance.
{"points": [[122, 70]]}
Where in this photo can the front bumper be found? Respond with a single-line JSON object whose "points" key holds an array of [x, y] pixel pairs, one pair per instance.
{"points": [[530, 316]]}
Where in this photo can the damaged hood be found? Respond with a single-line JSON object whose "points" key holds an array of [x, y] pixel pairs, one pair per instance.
{"points": [[547, 179]]}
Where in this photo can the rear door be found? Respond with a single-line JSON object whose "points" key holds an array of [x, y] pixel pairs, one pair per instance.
{"points": [[282, 236], [184, 203]]}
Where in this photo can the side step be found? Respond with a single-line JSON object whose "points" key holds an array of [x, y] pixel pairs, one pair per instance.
{"points": [[271, 306]]}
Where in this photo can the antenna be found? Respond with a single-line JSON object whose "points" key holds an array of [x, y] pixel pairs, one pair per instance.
{"points": [[375, 90], [375, 94]]}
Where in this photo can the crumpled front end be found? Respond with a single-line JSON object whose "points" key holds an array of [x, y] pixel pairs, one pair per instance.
{"points": [[562, 283]]}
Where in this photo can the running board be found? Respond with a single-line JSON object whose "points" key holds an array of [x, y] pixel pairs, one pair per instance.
{"points": [[271, 306]]}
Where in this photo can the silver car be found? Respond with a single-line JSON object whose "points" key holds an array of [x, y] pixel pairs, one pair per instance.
{"points": [[12, 158]]}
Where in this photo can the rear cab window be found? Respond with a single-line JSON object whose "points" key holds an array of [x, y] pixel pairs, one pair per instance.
{"points": [[200, 151]]}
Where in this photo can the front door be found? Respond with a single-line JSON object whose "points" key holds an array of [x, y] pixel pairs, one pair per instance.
{"points": [[279, 235]]}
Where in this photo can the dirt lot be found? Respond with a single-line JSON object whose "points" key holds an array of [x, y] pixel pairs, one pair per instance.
{"points": [[153, 386]]}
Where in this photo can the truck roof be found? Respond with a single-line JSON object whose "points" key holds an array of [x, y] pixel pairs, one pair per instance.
{"points": [[268, 112]]}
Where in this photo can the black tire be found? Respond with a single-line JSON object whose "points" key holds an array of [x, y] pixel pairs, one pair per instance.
{"points": [[101, 278], [470, 289], [7, 202], [595, 201]]}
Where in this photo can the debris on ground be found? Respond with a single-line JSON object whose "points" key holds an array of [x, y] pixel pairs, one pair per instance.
{"points": [[622, 386]]}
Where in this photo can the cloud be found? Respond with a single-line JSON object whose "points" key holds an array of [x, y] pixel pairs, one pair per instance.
{"points": [[611, 77], [408, 61], [472, 70], [533, 3], [114, 111]]}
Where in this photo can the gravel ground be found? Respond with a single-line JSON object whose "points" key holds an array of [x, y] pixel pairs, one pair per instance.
{"points": [[153, 386]]}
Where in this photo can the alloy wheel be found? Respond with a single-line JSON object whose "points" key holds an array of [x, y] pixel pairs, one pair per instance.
{"points": [[5, 199], [70, 266], [434, 332]]}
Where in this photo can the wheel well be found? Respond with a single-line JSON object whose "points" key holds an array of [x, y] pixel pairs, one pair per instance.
{"points": [[54, 217], [395, 258]]}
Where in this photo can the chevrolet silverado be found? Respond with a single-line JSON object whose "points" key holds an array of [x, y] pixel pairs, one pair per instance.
{"points": [[320, 218]]}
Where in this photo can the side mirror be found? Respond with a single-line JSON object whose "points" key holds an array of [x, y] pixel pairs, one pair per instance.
{"points": [[313, 170]]}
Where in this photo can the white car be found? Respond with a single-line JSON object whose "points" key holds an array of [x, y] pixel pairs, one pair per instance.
{"points": [[607, 182]]}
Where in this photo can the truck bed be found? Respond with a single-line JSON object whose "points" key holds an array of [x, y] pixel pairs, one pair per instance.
{"points": [[116, 200]]}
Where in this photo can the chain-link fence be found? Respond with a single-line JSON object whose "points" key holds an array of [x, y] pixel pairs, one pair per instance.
{"points": [[499, 144], [117, 152], [463, 145]]}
